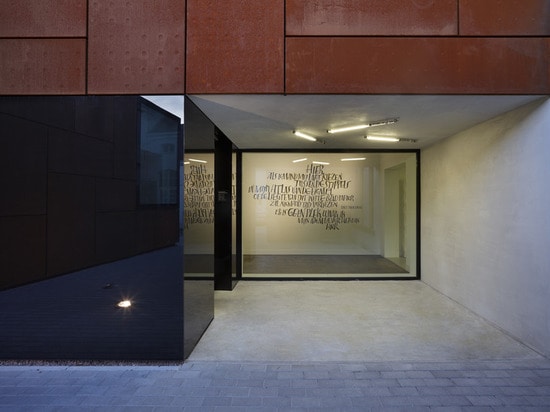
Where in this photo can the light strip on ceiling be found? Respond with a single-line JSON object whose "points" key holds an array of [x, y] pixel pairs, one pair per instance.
{"points": [[364, 126], [320, 163], [300, 160], [382, 138], [348, 129], [304, 135], [198, 161], [352, 159]]}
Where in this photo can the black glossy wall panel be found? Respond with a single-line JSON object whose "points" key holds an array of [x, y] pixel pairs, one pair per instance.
{"points": [[22, 166], [22, 249], [71, 222], [53, 111], [74, 153], [95, 117], [198, 265], [115, 195], [125, 130], [74, 241], [115, 235]]}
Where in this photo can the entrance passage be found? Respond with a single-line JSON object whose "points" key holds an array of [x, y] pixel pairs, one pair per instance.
{"points": [[348, 321], [296, 213]]}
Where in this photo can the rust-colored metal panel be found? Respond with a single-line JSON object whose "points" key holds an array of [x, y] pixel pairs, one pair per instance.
{"points": [[136, 47], [504, 17], [235, 46], [418, 65], [371, 17], [42, 66], [42, 18]]}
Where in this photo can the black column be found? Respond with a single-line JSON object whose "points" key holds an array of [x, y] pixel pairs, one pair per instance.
{"points": [[222, 213]]}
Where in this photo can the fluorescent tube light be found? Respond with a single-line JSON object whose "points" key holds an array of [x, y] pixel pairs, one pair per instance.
{"points": [[384, 122], [364, 126], [198, 161], [383, 138], [351, 159], [348, 129], [299, 160], [186, 163], [320, 163], [304, 135]]}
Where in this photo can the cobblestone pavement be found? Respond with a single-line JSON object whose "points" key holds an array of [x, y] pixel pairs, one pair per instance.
{"points": [[262, 386]]}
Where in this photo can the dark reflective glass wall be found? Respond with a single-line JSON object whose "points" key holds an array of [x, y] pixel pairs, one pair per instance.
{"points": [[89, 216], [198, 224]]}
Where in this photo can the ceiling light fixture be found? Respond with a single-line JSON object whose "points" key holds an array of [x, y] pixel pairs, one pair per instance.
{"points": [[382, 138], [320, 163], [352, 159], [299, 160], [304, 136], [364, 126], [186, 163], [198, 161]]}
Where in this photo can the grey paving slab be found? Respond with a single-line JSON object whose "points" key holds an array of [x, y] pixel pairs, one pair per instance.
{"points": [[280, 387]]}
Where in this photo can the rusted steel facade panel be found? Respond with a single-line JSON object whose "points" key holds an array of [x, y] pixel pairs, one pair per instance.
{"points": [[136, 46], [235, 46], [417, 65], [504, 17], [42, 66], [43, 18], [371, 17]]}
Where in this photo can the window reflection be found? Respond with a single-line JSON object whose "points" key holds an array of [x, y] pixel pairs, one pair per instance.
{"points": [[159, 142]]}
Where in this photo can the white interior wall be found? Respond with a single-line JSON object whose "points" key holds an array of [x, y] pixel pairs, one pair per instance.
{"points": [[267, 231], [485, 224], [390, 224]]}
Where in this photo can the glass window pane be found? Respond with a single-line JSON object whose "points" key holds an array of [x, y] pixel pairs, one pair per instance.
{"points": [[329, 214]]}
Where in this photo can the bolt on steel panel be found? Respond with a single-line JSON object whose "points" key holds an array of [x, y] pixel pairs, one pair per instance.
{"points": [[42, 66], [371, 18], [505, 17], [43, 18], [235, 46], [136, 47], [418, 65]]}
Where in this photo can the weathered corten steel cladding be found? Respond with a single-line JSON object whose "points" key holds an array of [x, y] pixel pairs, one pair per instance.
{"points": [[278, 46]]}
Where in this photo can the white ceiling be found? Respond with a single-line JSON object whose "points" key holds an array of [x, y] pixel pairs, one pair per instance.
{"points": [[267, 121]]}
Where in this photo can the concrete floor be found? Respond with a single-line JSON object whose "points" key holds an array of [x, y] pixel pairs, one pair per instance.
{"points": [[349, 321]]}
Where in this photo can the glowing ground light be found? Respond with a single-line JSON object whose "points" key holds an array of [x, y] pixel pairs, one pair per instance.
{"points": [[124, 304]]}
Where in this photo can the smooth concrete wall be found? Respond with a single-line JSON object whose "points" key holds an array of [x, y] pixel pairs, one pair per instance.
{"points": [[485, 223]]}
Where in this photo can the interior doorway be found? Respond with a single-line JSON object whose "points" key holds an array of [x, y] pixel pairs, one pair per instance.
{"points": [[395, 247]]}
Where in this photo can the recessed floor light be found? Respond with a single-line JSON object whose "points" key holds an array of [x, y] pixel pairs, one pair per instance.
{"points": [[124, 304]]}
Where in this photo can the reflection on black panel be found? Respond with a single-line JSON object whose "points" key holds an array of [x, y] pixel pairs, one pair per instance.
{"points": [[75, 239], [198, 225]]}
